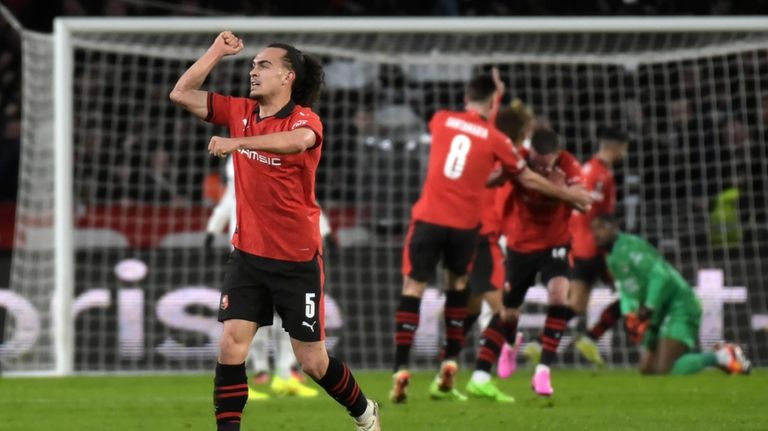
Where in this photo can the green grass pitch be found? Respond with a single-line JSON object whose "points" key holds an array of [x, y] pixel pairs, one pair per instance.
{"points": [[584, 400]]}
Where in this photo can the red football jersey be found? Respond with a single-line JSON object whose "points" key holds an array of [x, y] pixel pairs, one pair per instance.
{"points": [[464, 151], [277, 214], [490, 218], [598, 179], [532, 221]]}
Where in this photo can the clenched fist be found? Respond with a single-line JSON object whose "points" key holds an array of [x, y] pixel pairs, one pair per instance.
{"points": [[221, 147], [227, 43]]}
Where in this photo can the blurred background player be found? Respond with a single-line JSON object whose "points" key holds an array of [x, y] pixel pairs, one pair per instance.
{"points": [[276, 266], [486, 280], [445, 222], [285, 380], [662, 311], [536, 228], [587, 263]]}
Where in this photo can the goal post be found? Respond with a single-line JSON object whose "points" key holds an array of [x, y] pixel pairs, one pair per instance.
{"points": [[113, 202], [64, 250]]}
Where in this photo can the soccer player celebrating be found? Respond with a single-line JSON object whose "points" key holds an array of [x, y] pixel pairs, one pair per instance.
{"points": [[445, 222], [487, 277], [660, 307], [285, 381], [276, 140], [536, 228], [587, 262]]}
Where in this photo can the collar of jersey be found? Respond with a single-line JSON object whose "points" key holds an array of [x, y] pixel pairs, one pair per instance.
{"points": [[284, 112]]}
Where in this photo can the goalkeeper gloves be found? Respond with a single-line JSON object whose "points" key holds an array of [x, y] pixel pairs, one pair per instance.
{"points": [[637, 324]]}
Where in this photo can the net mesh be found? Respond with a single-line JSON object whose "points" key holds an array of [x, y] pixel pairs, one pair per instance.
{"points": [[694, 184]]}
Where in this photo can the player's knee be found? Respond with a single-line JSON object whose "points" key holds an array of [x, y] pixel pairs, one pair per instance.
{"points": [[578, 305], [412, 287], [494, 301], [457, 282], [578, 297], [510, 314], [314, 366], [558, 291], [232, 350]]}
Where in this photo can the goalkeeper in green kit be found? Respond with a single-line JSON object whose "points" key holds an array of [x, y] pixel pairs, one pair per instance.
{"points": [[661, 310]]}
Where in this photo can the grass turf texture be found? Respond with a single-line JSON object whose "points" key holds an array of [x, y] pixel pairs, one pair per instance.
{"points": [[583, 400]]}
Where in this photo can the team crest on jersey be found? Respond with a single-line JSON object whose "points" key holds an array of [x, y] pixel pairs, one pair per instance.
{"points": [[224, 302]]}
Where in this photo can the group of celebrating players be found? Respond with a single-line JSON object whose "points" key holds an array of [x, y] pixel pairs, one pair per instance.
{"points": [[492, 172], [482, 182]]}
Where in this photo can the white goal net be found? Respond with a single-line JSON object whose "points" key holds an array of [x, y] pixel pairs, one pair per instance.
{"points": [[141, 289]]}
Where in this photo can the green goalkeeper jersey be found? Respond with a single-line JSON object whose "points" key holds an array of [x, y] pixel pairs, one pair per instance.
{"points": [[644, 278]]}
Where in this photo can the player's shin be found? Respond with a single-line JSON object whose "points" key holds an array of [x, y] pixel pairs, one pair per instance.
{"points": [[493, 338], [455, 315], [554, 326], [230, 395], [406, 321], [340, 384], [608, 318], [692, 363]]}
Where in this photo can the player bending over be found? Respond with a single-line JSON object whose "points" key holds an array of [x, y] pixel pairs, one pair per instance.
{"points": [[538, 239], [445, 222], [277, 265], [662, 311]]}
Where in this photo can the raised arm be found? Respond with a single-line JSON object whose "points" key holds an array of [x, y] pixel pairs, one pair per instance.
{"points": [[187, 93], [497, 96]]}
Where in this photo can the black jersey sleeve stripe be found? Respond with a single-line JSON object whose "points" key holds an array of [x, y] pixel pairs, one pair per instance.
{"points": [[209, 117]]}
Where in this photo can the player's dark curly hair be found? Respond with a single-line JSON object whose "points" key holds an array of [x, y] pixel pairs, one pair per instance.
{"points": [[309, 74]]}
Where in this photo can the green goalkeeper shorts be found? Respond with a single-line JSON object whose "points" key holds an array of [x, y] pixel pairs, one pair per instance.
{"points": [[682, 327]]}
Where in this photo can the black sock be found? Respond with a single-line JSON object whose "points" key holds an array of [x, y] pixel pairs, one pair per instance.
{"points": [[469, 322], [341, 385], [493, 338], [610, 315], [406, 321], [455, 314], [230, 394], [557, 320]]}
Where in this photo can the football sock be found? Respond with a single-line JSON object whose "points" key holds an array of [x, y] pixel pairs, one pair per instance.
{"points": [[340, 384], [230, 395], [493, 338], [406, 321], [557, 319], [469, 322], [455, 314], [610, 315], [692, 363]]}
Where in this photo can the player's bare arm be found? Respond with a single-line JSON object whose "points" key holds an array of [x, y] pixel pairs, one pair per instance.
{"points": [[187, 93], [575, 195], [293, 142]]}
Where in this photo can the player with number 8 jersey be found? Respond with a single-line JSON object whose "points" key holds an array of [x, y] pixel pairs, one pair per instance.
{"points": [[446, 219]]}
